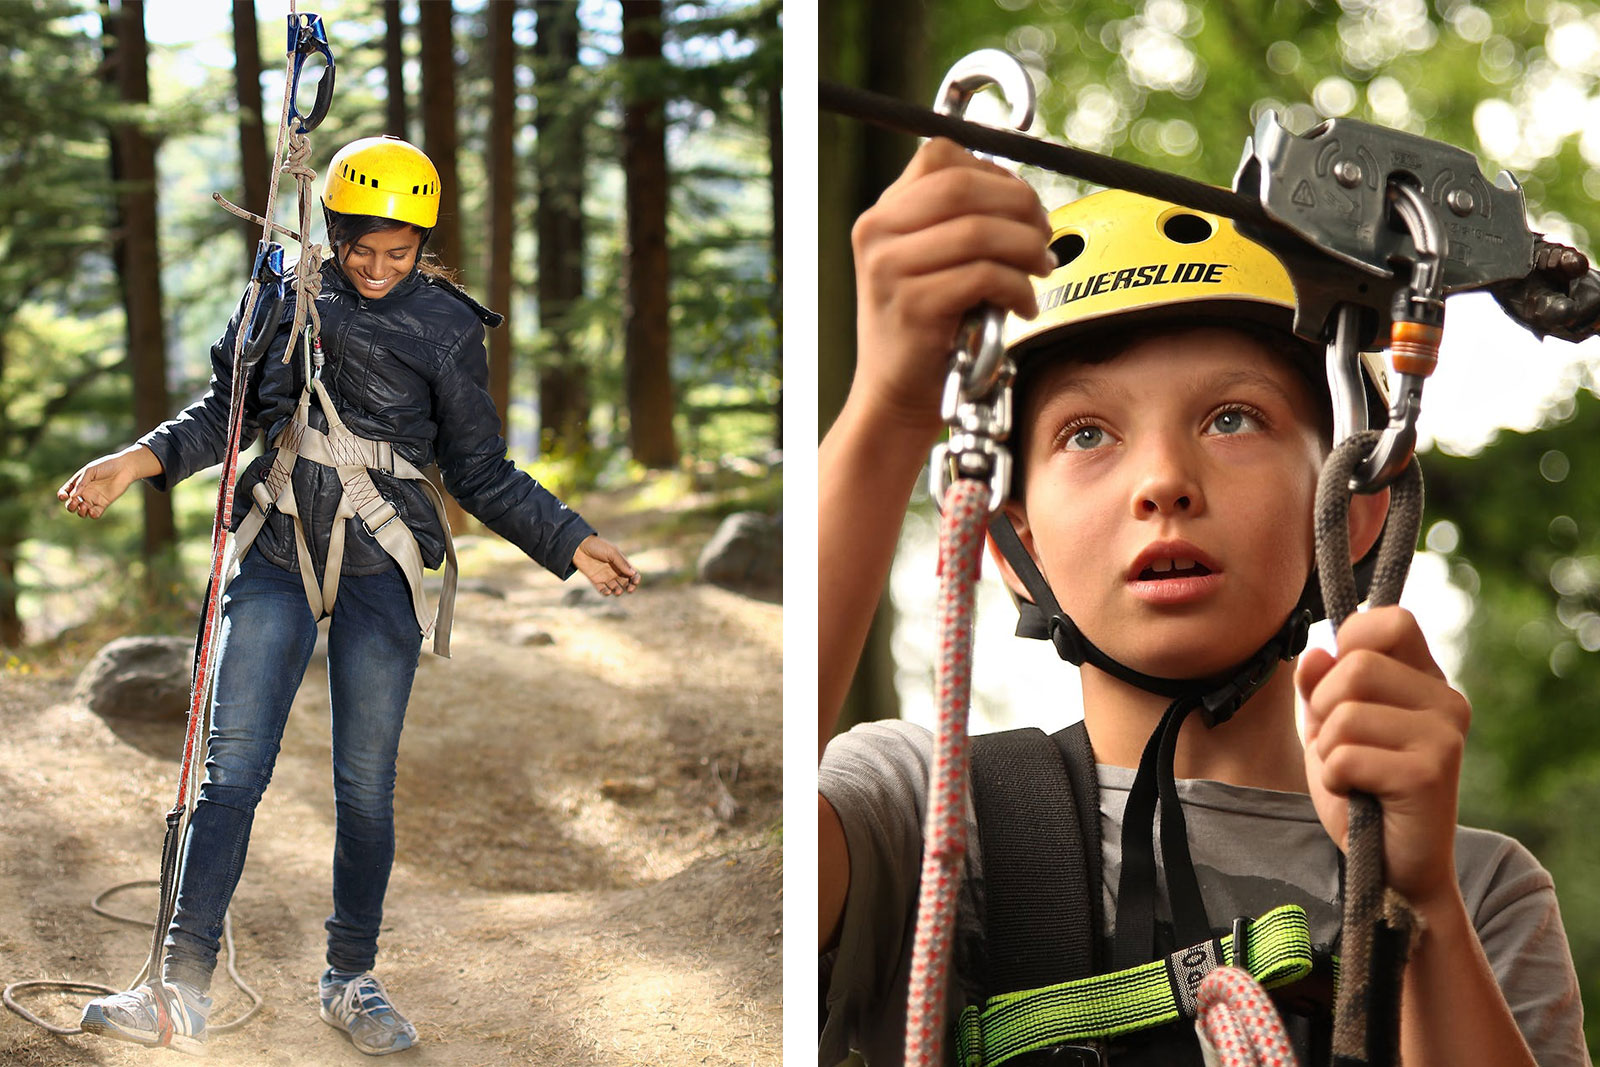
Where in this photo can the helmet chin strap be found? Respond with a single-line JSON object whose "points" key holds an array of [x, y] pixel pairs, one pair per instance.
{"points": [[1217, 697]]}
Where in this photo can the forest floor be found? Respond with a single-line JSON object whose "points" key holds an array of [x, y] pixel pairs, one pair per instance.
{"points": [[589, 856]]}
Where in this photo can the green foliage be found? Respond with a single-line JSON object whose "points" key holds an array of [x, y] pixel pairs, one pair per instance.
{"points": [[1179, 85], [1526, 512]]}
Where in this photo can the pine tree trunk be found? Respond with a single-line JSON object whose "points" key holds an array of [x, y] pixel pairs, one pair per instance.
{"points": [[439, 141], [502, 196], [561, 160], [138, 260], [394, 69], [439, 126], [865, 46], [252, 135], [647, 347]]}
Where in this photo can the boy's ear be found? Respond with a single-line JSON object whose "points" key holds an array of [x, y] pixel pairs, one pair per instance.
{"points": [[1367, 514], [1019, 519]]}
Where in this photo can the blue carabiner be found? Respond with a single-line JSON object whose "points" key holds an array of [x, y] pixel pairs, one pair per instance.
{"points": [[308, 37], [263, 325]]}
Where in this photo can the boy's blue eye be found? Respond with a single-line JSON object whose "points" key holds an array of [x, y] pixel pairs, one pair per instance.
{"points": [[1233, 421], [1085, 438]]}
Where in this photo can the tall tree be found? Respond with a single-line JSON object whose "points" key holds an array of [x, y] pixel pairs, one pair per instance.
{"points": [[647, 333], [252, 137], [52, 169], [137, 253], [434, 24], [394, 68], [439, 136], [560, 164], [864, 47], [502, 194]]}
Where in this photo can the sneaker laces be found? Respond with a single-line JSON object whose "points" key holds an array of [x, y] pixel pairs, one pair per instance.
{"points": [[365, 995]]}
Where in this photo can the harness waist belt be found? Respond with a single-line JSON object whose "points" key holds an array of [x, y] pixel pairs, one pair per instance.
{"points": [[1122, 1002]]}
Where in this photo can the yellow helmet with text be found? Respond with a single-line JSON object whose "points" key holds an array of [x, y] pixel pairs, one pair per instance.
{"points": [[1130, 261], [1122, 254]]}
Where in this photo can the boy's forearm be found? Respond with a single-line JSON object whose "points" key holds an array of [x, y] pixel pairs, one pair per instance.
{"points": [[1452, 1010], [867, 466]]}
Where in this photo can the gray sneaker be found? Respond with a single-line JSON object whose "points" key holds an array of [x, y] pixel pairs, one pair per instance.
{"points": [[360, 1007], [157, 1014]]}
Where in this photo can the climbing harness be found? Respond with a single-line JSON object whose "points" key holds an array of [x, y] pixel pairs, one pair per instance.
{"points": [[258, 322], [402, 184], [1321, 203], [353, 458]]}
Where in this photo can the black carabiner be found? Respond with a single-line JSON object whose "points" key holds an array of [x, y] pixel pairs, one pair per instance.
{"points": [[307, 37], [263, 327]]}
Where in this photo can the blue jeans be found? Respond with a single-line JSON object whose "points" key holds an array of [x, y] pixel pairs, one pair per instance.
{"points": [[266, 642]]}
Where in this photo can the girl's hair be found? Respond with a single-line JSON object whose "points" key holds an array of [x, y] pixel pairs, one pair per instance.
{"points": [[347, 229]]}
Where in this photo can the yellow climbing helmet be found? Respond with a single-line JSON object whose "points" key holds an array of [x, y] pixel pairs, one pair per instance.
{"points": [[386, 177], [1126, 254]]}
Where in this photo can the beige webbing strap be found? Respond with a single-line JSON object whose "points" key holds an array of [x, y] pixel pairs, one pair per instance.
{"points": [[351, 456]]}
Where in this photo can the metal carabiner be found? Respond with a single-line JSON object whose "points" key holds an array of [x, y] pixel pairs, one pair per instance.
{"points": [[263, 324], [980, 345], [977, 392], [1417, 325], [308, 37]]}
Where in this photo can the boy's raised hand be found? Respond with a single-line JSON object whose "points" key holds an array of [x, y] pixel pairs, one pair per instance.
{"points": [[951, 232], [1381, 718]]}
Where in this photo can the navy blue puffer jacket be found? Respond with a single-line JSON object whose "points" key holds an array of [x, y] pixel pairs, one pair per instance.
{"points": [[408, 368]]}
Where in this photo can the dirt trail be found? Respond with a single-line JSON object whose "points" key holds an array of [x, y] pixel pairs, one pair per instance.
{"points": [[565, 891]]}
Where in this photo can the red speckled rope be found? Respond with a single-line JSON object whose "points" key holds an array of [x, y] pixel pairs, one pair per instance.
{"points": [[1238, 1019], [961, 538]]}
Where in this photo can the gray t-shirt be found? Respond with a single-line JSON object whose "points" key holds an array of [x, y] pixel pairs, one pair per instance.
{"points": [[1253, 849]]}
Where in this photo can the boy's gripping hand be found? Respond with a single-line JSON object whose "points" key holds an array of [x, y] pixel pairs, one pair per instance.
{"points": [[1381, 718], [951, 232]]}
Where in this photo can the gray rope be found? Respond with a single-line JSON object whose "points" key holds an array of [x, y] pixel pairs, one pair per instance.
{"points": [[1364, 1030], [53, 986]]}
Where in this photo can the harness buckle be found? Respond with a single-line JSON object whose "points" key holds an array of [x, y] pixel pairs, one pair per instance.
{"points": [[393, 514]]}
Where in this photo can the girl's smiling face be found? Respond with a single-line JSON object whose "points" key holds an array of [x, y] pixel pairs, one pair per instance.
{"points": [[375, 261], [1168, 495]]}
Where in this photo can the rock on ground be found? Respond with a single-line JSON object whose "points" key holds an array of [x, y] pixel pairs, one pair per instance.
{"points": [[140, 678]]}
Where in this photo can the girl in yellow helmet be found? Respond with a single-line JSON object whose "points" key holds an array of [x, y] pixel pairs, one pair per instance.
{"points": [[403, 386], [1168, 439]]}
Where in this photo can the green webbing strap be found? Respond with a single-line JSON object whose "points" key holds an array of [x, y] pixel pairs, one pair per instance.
{"points": [[1122, 1002]]}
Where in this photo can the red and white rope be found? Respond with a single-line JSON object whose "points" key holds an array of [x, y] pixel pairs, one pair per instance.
{"points": [[1239, 1021], [961, 538]]}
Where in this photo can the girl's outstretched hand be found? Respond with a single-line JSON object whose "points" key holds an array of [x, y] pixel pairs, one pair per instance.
{"points": [[605, 566], [98, 483]]}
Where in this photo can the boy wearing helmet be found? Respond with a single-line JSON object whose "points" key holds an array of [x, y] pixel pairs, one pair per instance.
{"points": [[403, 386], [1169, 435]]}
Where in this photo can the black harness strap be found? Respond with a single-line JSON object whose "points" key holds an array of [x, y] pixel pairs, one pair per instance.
{"points": [[1038, 814]]}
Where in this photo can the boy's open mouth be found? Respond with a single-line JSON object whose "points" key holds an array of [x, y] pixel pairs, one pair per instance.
{"points": [[1163, 569]]}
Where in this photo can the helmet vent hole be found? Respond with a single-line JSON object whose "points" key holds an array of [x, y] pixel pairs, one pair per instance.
{"points": [[1186, 229], [1067, 247]]}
